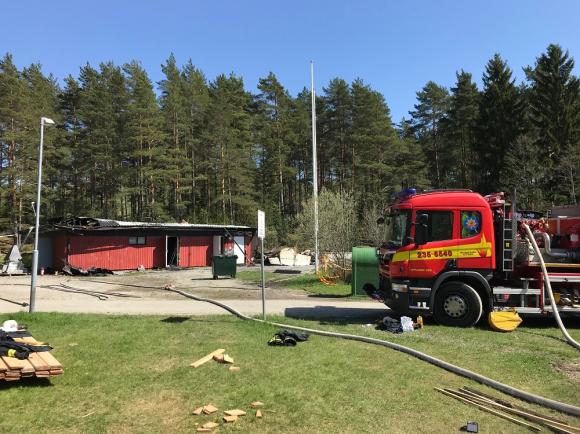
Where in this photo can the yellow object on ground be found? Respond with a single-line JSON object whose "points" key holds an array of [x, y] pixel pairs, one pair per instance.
{"points": [[504, 321]]}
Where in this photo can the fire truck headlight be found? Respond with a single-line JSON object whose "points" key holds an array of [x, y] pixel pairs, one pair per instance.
{"points": [[399, 287]]}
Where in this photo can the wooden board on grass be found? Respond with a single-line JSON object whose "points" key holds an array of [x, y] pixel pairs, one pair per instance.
{"points": [[15, 364], [207, 358], [38, 363], [50, 360]]}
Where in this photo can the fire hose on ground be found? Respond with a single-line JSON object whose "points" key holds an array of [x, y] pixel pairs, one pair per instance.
{"points": [[526, 396]]}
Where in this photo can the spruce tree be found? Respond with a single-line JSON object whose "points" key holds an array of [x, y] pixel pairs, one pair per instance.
{"points": [[555, 113], [461, 128], [500, 123]]}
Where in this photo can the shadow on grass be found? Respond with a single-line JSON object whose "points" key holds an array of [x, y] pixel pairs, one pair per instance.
{"points": [[26, 382], [175, 319], [336, 315], [332, 296]]}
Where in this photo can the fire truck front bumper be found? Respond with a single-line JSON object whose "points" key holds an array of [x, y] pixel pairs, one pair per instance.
{"points": [[406, 296]]}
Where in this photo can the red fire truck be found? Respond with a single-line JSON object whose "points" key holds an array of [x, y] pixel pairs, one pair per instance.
{"points": [[458, 255]]}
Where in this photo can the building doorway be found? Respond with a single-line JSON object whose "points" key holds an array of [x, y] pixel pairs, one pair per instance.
{"points": [[172, 251]]}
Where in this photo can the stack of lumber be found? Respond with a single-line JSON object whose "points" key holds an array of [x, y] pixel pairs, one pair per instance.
{"points": [[41, 365]]}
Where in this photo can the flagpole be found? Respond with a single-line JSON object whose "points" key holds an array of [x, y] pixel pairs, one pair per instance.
{"points": [[314, 167]]}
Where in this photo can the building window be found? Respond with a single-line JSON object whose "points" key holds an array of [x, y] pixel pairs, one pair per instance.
{"points": [[137, 241], [440, 225], [470, 223]]}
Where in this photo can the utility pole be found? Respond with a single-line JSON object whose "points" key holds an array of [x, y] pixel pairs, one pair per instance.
{"points": [[314, 167]]}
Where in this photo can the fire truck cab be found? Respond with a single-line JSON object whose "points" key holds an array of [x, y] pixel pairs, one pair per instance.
{"points": [[454, 254]]}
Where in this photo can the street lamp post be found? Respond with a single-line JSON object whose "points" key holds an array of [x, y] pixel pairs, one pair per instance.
{"points": [[34, 271]]}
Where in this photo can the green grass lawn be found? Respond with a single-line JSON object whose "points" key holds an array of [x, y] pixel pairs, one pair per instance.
{"points": [[131, 374], [305, 281]]}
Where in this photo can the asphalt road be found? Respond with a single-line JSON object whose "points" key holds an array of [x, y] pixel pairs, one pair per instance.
{"points": [[147, 298]]}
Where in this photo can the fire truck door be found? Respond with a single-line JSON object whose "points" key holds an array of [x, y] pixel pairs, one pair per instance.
{"points": [[431, 254]]}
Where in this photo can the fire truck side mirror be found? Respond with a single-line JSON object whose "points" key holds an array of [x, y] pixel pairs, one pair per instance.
{"points": [[421, 228]]}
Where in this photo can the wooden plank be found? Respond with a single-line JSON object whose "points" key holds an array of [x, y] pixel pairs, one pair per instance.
{"points": [[479, 394], [537, 419], [29, 340], [209, 409], [3, 366], [38, 363], [487, 409], [558, 428], [18, 365], [42, 374], [235, 412], [12, 378], [50, 360], [207, 358]]}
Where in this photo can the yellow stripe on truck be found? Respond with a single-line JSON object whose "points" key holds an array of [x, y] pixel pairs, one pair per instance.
{"points": [[476, 250]]}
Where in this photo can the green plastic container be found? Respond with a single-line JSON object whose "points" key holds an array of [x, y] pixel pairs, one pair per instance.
{"points": [[224, 266], [365, 269]]}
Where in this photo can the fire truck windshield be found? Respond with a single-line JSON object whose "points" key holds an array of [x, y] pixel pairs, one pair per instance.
{"points": [[397, 226]]}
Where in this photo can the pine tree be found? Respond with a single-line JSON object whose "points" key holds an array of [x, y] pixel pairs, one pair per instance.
{"points": [[336, 120], [196, 100], [173, 108], [301, 153], [427, 119], [13, 125], [374, 147], [73, 183], [144, 157], [555, 112], [102, 111], [231, 152], [276, 139], [499, 124]]}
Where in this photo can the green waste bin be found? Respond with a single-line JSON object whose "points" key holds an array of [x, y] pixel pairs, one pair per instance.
{"points": [[222, 265], [365, 269]]}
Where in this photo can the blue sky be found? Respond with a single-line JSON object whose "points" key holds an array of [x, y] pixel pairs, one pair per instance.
{"points": [[396, 47]]}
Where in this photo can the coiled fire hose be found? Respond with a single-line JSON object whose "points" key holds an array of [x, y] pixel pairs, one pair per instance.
{"points": [[526, 396], [569, 338]]}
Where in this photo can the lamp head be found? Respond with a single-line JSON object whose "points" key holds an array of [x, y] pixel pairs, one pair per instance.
{"points": [[47, 121]]}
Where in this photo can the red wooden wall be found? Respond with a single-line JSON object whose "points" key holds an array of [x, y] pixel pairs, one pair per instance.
{"points": [[115, 253], [195, 251]]}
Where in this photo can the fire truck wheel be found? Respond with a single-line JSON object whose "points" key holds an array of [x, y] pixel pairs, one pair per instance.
{"points": [[457, 304]]}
